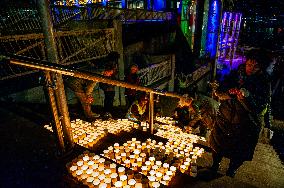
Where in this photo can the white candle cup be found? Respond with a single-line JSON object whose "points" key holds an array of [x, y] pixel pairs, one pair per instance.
{"points": [[80, 163], [155, 184], [84, 167], [159, 176], [73, 170], [123, 179], [132, 158], [135, 166], [108, 182], [131, 182], [121, 171], [123, 156], [96, 182], [103, 185], [89, 171], [127, 163], [78, 174], [118, 184], [107, 173], [138, 185], [155, 167], [95, 174], [152, 173], [144, 170], [112, 167], [116, 145], [90, 163], [113, 177], [118, 159], [86, 158], [101, 177], [139, 161]]}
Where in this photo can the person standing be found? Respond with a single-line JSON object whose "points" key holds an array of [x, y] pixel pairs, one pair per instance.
{"points": [[240, 117], [83, 90], [132, 78]]}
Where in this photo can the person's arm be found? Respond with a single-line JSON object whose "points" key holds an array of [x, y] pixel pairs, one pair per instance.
{"points": [[133, 113]]}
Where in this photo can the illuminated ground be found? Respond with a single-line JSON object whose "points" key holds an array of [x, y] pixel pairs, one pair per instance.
{"points": [[27, 158]]}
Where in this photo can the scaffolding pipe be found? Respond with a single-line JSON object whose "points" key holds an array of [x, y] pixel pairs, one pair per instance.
{"points": [[151, 113], [52, 56], [57, 68]]}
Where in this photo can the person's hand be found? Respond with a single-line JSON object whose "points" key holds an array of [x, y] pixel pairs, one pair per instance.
{"points": [[90, 99], [236, 92]]}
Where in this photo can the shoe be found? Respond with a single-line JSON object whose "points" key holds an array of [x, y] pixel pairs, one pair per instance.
{"points": [[231, 173], [107, 115]]}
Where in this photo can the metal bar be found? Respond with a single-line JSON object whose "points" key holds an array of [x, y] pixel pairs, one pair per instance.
{"points": [[50, 42], [57, 68], [151, 113], [56, 124]]}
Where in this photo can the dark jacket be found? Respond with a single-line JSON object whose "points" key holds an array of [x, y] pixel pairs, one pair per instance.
{"points": [[234, 134]]}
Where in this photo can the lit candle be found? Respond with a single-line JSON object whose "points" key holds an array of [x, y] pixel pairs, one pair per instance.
{"points": [[159, 176], [95, 174], [139, 161], [101, 169], [155, 167], [89, 171], [101, 162], [144, 170], [116, 145], [80, 163], [108, 182], [155, 184], [166, 178], [90, 181], [113, 177], [183, 168], [84, 167], [123, 179], [73, 170], [112, 167], [95, 167], [127, 163], [90, 163], [159, 163], [152, 159], [151, 179], [121, 171], [107, 172], [123, 156], [132, 158], [138, 185], [103, 185], [86, 158], [152, 173], [132, 182], [96, 182], [102, 177], [79, 173]]}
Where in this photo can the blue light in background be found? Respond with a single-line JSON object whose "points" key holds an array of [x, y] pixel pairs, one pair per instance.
{"points": [[159, 5], [213, 25], [104, 2], [123, 3]]}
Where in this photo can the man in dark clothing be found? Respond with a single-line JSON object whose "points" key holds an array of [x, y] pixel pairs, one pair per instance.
{"points": [[109, 90], [132, 78], [240, 118]]}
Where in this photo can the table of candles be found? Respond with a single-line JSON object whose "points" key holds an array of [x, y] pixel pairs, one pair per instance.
{"points": [[133, 163]]}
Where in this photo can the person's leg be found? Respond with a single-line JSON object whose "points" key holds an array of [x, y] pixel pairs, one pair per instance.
{"points": [[217, 158], [108, 102], [86, 105], [233, 167]]}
